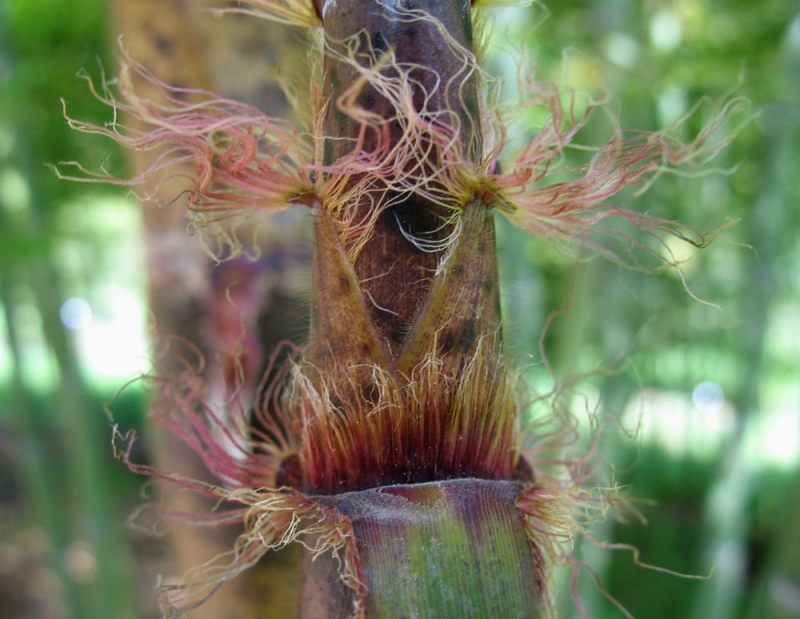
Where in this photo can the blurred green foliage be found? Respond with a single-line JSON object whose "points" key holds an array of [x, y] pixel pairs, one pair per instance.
{"points": [[721, 496], [64, 532]]}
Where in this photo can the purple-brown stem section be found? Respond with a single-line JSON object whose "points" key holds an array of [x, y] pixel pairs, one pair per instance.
{"points": [[395, 274], [454, 548], [406, 349]]}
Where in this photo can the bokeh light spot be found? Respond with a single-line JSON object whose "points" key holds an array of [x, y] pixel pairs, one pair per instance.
{"points": [[76, 314]]}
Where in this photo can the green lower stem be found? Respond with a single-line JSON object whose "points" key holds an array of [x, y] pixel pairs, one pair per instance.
{"points": [[445, 549]]}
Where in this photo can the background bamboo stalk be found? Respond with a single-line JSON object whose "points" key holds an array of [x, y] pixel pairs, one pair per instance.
{"points": [[234, 312]]}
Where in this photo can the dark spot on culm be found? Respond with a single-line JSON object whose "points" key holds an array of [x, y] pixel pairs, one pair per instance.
{"points": [[367, 99], [379, 43], [179, 91], [410, 33], [370, 394], [164, 45], [469, 333], [460, 339], [447, 342]]}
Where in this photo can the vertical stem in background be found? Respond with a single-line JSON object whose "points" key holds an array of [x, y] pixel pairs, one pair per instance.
{"points": [[776, 593], [740, 581], [731, 522], [79, 430], [82, 437], [178, 284], [218, 308], [37, 463]]}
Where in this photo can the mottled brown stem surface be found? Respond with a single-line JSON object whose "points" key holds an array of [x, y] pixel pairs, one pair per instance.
{"points": [[395, 274]]}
